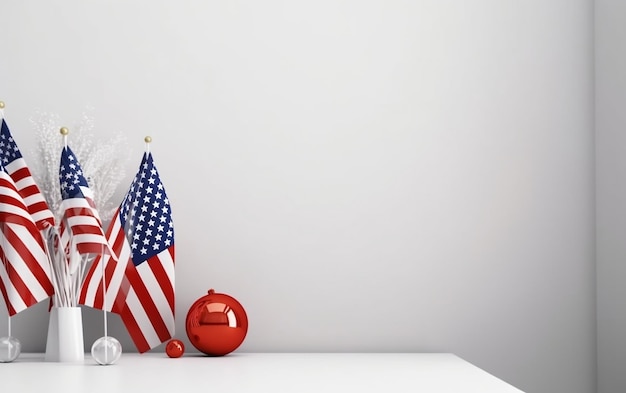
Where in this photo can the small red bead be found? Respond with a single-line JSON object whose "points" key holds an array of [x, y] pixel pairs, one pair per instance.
{"points": [[175, 348]]}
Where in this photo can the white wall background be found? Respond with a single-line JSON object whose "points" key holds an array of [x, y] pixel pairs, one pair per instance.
{"points": [[361, 175], [610, 71]]}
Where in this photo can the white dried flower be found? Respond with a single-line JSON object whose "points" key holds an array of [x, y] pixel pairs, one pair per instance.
{"points": [[103, 162]]}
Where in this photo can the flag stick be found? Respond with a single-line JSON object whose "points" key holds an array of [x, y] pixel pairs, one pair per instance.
{"points": [[104, 305], [9, 335], [64, 131], [147, 139], [4, 262]]}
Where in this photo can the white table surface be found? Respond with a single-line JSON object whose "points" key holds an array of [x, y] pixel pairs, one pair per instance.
{"points": [[254, 372]]}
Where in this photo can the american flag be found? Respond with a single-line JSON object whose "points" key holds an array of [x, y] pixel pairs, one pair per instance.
{"points": [[141, 286], [25, 277], [81, 225], [15, 166]]}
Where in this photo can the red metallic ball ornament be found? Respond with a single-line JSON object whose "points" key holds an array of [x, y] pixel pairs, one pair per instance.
{"points": [[175, 348], [216, 324]]}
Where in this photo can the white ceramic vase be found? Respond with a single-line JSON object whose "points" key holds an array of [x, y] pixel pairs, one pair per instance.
{"points": [[65, 335]]}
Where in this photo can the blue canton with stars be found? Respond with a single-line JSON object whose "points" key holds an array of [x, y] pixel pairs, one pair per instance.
{"points": [[8, 147], [145, 214], [71, 175]]}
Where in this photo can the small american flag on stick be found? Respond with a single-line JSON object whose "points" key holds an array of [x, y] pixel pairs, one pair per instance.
{"points": [[141, 286]]}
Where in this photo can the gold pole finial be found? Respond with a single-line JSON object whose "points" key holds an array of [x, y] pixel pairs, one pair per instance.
{"points": [[1, 104], [147, 139], [64, 131]]}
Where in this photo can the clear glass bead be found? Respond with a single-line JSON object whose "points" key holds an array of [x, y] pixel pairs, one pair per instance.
{"points": [[10, 349], [106, 350]]}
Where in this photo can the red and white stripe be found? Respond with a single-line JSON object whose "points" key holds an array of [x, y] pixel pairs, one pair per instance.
{"points": [[25, 277], [25, 184], [82, 226], [148, 312], [28, 189], [92, 293]]}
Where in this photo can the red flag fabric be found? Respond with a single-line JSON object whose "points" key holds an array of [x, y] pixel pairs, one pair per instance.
{"points": [[16, 167], [25, 275], [92, 293]]}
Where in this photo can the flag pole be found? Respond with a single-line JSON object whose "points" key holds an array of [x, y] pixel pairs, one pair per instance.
{"points": [[4, 262], [147, 139], [9, 334], [3, 259], [64, 131], [104, 305]]}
